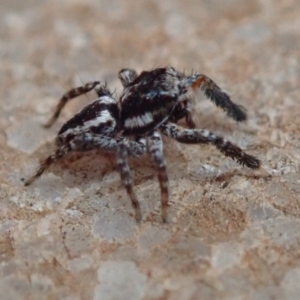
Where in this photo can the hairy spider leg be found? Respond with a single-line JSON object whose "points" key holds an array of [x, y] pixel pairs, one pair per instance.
{"points": [[71, 94], [85, 142], [46, 163], [203, 136], [126, 177], [155, 149], [213, 92]]}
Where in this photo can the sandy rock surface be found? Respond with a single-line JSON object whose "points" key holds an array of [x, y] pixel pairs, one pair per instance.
{"points": [[232, 233]]}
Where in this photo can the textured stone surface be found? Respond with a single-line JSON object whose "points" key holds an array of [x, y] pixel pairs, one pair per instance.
{"points": [[72, 235]]}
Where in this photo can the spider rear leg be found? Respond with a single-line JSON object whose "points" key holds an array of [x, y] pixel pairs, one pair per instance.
{"points": [[213, 92], [46, 163], [155, 149], [126, 177], [203, 136], [73, 93], [85, 142]]}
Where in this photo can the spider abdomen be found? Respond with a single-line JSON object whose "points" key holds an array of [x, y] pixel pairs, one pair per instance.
{"points": [[100, 117]]}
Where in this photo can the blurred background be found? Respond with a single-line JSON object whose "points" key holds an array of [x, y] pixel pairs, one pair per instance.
{"points": [[231, 235]]}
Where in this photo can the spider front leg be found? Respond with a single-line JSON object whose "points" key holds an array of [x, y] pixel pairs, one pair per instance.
{"points": [[217, 96], [155, 149], [126, 177], [203, 136], [73, 93], [84, 142]]}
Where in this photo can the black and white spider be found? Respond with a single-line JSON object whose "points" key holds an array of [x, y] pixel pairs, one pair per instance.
{"points": [[150, 105]]}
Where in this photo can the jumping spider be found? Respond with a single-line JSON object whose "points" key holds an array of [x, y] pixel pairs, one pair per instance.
{"points": [[150, 105]]}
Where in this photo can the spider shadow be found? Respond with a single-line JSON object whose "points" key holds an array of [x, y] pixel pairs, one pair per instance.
{"points": [[217, 122], [83, 169]]}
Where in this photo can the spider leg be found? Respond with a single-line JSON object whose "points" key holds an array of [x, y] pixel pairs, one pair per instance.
{"points": [[126, 177], [46, 163], [184, 110], [85, 142], [155, 149], [203, 136], [138, 147], [73, 93], [213, 92]]}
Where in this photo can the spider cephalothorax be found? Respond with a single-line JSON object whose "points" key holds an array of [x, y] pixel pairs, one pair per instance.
{"points": [[150, 105]]}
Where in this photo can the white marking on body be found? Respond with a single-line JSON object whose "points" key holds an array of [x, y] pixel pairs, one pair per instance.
{"points": [[206, 133], [104, 117], [224, 142], [139, 121], [142, 141], [106, 99]]}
